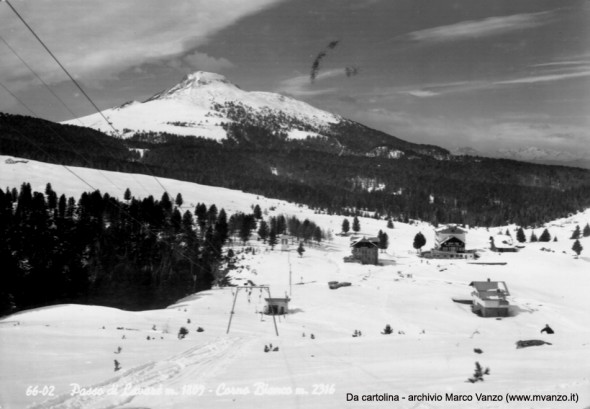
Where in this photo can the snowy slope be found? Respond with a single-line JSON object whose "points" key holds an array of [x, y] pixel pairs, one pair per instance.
{"points": [[192, 107], [61, 349]]}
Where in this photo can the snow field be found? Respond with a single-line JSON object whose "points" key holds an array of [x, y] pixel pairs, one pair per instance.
{"points": [[430, 351]]}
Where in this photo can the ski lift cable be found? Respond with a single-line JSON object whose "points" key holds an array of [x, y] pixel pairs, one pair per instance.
{"points": [[66, 107], [47, 153], [58, 135], [40, 79], [179, 252], [61, 66], [73, 80], [75, 83]]}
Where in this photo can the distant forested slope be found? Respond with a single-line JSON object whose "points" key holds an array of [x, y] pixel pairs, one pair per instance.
{"points": [[315, 171]]}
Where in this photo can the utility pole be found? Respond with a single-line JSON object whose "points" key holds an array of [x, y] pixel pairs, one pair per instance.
{"points": [[290, 274]]}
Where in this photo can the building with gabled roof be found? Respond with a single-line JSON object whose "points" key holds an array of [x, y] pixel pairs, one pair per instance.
{"points": [[450, 242], [502, 244], [365, 250], [451, 238], [489, 298]]}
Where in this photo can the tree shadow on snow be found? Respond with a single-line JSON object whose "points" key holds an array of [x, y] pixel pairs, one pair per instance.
{"points": [[182, 302]]}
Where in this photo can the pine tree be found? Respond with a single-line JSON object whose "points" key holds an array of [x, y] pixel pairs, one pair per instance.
{"points": [[317, 234], [25, 198], [272, 238], [520, 237], [577, 247], [212, 215], [127, 195], [419, 241], [176, 220], [257, 212], [188, 227], [248, 224], [293, 225], [201, 215], [61, 206], [389, 223], [576, 233], [165, 202], [508, 233], [533, 238], [221, 227], [345, 226], [281, 224], [70, 208], [263, 231], [356, 225], [545, 236], [300, 249], [51, 197], [179, 200], [586, 231], [383, 240], [187, 221]]}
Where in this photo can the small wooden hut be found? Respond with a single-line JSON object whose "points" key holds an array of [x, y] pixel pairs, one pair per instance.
{"points": [[277, 306], [366, 250]]}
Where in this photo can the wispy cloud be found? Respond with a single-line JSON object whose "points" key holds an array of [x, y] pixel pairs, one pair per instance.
{"points": [[544, 78], [204, 62], [550, 72], [421, 93], [563, 63], [100, 42], [480, 28]]}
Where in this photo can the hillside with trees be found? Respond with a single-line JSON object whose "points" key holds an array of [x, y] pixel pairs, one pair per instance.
{"points": [[131, 253], [256, 159]]}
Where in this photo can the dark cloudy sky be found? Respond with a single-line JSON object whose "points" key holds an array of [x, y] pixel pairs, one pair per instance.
{"points": [[482, 73]]}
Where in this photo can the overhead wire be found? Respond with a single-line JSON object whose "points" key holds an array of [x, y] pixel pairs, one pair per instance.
{"points": [[110, 124], [123, 210], [58, 135], [39, 78], [66, 107], [49, 155], [32, 142], [83, 93], [40, 148], [61, 65]]}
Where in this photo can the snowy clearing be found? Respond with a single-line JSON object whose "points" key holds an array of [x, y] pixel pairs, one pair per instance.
{"points": [[63, 356]]}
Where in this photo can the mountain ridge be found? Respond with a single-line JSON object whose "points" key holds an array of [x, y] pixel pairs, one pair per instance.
{"points": [[530, 154], [208, 105]]}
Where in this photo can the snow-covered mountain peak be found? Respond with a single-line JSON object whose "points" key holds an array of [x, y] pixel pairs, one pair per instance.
{"points": [[204, 78], [198, 83], [203, 103]]}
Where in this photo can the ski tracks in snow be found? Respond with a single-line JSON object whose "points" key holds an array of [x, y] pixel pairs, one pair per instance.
{"points": [[154, 378]]}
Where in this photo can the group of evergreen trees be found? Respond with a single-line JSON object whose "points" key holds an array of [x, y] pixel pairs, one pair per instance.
{"points": [[356, 225], [576, 234], [546, 237], [304, 231], [129, 253], [133, 254]]}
